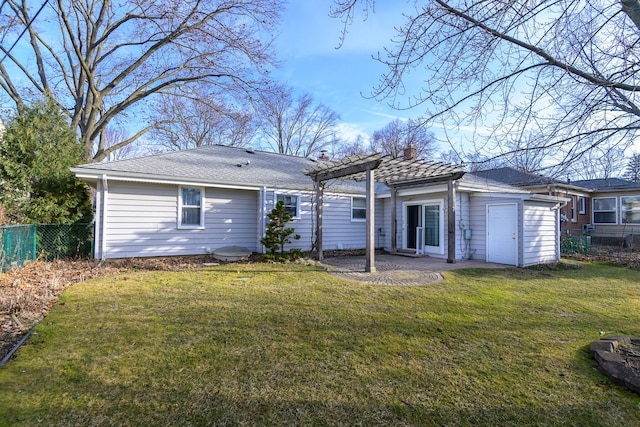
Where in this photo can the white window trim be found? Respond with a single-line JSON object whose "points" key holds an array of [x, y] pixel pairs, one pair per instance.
{"points": [[582, 204], [593, 211], [574, 208], [202, 204], [622, 210], [365, 209], [298, 202]]}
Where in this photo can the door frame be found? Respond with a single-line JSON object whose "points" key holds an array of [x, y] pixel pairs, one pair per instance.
{"points": [[517, 231], [433, 250]]}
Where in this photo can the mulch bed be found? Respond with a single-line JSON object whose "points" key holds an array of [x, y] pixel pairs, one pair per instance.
{"points": [[27, 294]]}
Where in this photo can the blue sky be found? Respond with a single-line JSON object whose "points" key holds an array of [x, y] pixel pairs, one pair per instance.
{"points": [[338, 77]]}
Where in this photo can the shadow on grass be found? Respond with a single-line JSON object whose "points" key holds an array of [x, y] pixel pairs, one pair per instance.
{"points": [[161, 405]]}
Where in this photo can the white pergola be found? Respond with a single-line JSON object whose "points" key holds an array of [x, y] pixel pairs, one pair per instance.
{"points": [[395, 173]]}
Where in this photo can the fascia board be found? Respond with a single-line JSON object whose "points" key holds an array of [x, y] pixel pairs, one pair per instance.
{"points": [[151, 179]]}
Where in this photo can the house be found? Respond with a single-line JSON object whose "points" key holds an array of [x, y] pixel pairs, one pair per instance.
{"points": [[602, 208], [613, 208], [195, 201]]}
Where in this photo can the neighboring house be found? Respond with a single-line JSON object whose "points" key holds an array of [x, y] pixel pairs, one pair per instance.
{"points": [[195, 201], [574, 214], [598, 207], [614, 207]]}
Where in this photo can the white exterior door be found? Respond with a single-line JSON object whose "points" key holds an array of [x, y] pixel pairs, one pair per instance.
{"points": [[502, 233]]}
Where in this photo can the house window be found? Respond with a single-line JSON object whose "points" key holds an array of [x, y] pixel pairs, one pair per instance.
{"points": [[604, 210], [358, 208], [574, 211], [291, 204], [583, 205], [190, 207], [630, 209]]}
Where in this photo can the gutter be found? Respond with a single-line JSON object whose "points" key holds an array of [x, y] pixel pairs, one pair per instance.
{"points": [[83, 174]]}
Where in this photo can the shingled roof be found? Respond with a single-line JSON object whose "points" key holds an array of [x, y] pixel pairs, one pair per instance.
{"points": [[515, 177], [217, 164], [605, 184]]}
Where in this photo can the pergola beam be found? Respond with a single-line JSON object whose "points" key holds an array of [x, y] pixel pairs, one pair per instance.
{"points": [[346, 169], [394, 173]]}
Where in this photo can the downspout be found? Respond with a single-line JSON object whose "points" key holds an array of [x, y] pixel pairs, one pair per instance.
{"points": [[263, 200], [557, 208], [103, 219]]}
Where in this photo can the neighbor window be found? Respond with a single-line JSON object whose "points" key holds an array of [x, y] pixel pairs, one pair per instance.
{"points": [[630, 207], [358, 208], [583, 205], [604, 210], [574, 212], [190, 209], [291, 204]]}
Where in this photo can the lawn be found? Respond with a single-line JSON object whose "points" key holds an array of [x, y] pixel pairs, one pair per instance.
{"points": [[263, 344]]}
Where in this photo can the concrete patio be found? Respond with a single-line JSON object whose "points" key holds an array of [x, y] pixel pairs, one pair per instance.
{"points": [[398, 270]]}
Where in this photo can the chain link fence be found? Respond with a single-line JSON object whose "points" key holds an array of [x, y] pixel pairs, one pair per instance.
{"points": [[24, 243]]}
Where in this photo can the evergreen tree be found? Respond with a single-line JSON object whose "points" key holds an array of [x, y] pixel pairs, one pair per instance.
{"points": [[36, 151], [277, 234], [632, 171]]}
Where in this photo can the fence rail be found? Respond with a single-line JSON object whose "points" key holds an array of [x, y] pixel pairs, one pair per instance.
{"points": [[20, 244]]}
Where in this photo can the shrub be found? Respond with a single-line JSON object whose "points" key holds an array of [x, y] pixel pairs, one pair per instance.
{"points": [[278, 234]]}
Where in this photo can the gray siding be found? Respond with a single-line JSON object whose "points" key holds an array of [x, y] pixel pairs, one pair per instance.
{"points": [[304, 226], [463, 210], [141, 221], [339, 231], [540, 238], [478, 221], [478, 226]]}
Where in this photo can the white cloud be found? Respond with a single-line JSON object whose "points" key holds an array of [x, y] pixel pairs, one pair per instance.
{"points": [[350, 131]]}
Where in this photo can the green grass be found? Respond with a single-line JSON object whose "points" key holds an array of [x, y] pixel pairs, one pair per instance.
{"points": [[289, 345]]}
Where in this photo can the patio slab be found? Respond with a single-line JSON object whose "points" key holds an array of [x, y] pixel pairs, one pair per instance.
{"points": [[399, 270]]}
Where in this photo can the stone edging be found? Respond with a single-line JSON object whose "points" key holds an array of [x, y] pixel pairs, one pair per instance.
{"points": [[613, 362]]}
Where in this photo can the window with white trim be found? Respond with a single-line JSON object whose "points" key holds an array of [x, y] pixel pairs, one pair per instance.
{"points": [[605, 210], [583, 205], [291, 204], [358, 208], [630, 207], [574, 211], [190, 207]]}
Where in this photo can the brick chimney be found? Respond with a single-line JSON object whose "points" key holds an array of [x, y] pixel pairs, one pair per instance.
{"points": [[410, 153], [323, 155]]}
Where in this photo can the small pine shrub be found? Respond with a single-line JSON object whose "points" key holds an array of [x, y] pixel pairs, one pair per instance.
{"points": [[278, 234]]}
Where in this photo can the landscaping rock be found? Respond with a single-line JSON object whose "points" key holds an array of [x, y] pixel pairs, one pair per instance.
{"points": [[619, 358]]}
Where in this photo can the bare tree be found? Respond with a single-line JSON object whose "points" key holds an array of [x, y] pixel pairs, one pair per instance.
{"points": [[114, 135], [195, 121], [560, 76], [600, 162], [102, 59], [519, 155], [295, 125], [632, 171], [350, 148], [397, 135]]}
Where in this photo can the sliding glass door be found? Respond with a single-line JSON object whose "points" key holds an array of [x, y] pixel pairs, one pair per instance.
{"points": [[424, 227]]}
